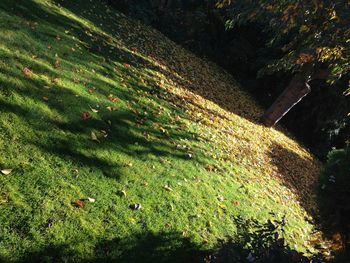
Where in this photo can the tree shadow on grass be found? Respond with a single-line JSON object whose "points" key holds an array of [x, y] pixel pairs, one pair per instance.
{"points": [[329, 208], [182, 68], [122, 128], [255, 243], [289, 166]]}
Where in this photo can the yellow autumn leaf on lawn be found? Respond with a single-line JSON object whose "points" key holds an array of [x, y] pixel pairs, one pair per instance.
{"points": [[6, 171], [304, 29], [94, 137], [222, 206]]}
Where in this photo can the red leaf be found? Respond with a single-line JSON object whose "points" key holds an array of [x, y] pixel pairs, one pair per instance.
{"points": [[78, 204], [85, 115]]}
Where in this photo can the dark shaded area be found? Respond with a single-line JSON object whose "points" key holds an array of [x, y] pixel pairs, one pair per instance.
{"points": [[320, 120], [263, 245], [147, 247], [288, 164], [334, 200]]}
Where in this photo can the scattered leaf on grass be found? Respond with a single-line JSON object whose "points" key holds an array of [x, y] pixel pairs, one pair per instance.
{"points": [[135, 206], [112, 98], [210, 168], [94, 110], [78, 204], [122, 193], [94, 137], [45, 98], [91, 200], [6, 171], [168, 188], [85, 115], [27, 72], [57, 63], [223, 207]]}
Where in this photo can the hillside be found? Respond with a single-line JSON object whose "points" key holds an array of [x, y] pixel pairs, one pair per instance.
{"points": [[98, 113]]}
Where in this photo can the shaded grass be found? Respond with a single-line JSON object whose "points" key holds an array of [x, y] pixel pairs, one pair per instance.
{"points": [[182, 141]]}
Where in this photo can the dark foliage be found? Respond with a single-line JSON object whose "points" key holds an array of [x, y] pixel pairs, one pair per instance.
{"points": [[263, 245], [334, 196]]}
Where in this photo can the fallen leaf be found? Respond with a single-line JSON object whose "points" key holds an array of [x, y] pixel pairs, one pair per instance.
{"points": [[6, 171], [223, 207], [122, 193], [210, 168], [91, 200], [168, 188], [94, 137], [112, 98], [45, 98], [135, 206], [85, 115], [94, 110], [57, 63], [78, 204], [27, 72]]}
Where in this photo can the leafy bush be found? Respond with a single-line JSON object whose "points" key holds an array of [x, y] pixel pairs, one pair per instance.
{"points": [[334, 193]]}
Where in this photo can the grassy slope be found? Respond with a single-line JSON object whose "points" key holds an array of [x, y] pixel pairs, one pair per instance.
{"points": [[179, 123]]}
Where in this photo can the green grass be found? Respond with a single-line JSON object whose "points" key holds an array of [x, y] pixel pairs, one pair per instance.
{"points": [[151, 142]]}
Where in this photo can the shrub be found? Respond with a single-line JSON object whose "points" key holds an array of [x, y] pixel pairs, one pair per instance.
{"points": [[334, 194]]}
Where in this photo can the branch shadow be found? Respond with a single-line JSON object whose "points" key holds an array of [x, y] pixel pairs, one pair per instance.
{"points": [[288, 166], [174, 247]]}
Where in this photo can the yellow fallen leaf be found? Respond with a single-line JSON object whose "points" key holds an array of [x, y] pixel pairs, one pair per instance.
{"points": [[6, 171], [94, 137], [168, 188], [223, 207], [121, 193], [94, 110]]}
